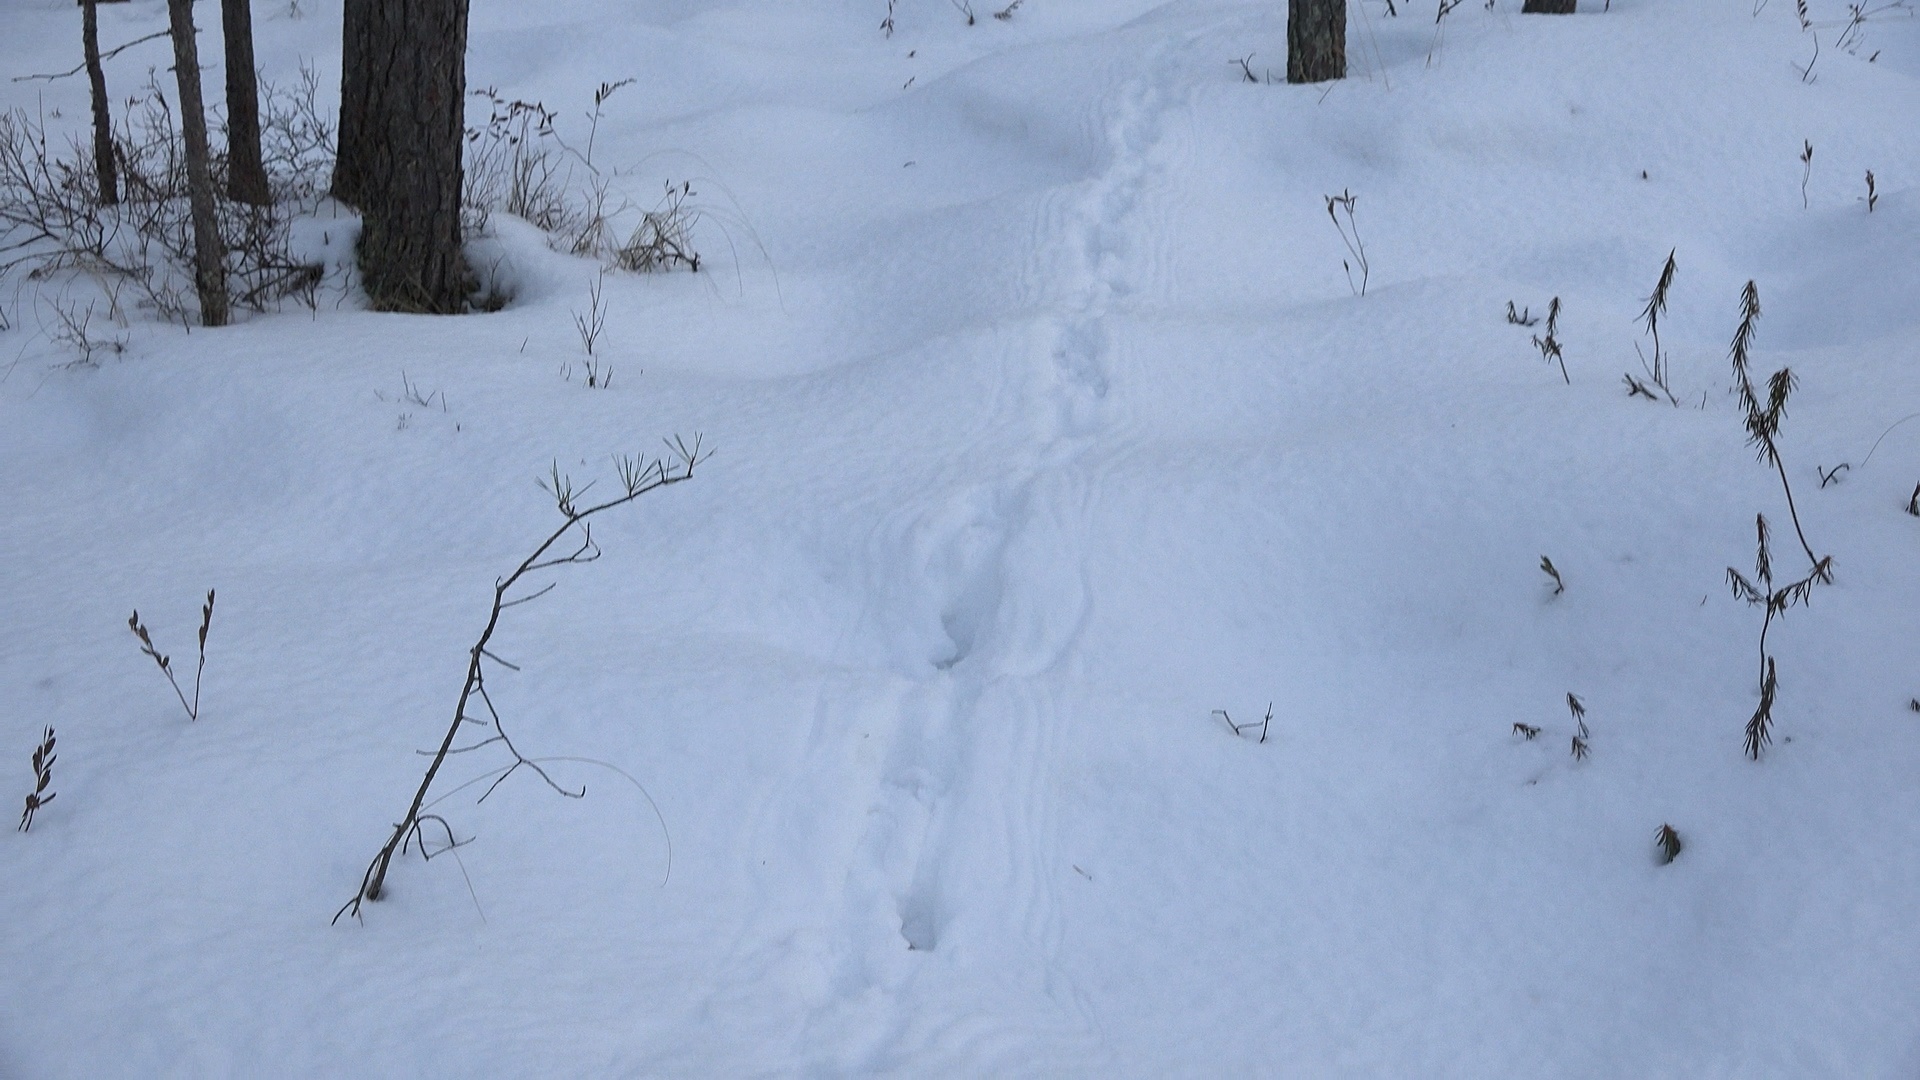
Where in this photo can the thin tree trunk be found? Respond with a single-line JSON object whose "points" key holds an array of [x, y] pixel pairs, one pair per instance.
{"points": [[1548, 7], [209, 256], [246, 176], [1316, 40], [350, 159], [105, 172], [414, 55]]}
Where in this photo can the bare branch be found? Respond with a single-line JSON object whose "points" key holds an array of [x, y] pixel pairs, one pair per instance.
{"points": [[105, 56], [636, 480], [533, 596]]}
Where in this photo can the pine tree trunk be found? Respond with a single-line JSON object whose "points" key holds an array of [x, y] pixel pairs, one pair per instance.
{"points": [[1547, 7], [1316, 40], [414, 55], [209, 256], [105, 172], [350, 159], [246, 176]]}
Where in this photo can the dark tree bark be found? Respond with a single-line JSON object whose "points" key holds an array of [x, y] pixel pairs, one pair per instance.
{"points": [[246, 176], [209, 255], [1548, 7], [105, 172], [1316, 40], [350, 159], [412, 57]]}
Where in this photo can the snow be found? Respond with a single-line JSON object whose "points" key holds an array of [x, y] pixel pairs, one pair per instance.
{"points": [[1045, 423]]}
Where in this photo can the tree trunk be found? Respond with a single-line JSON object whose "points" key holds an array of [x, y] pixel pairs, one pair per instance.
{"points": [[350, 159], [246, 176], [1316, 40], [1547, 7], [413, 58], [105, 172], [209, 256]]}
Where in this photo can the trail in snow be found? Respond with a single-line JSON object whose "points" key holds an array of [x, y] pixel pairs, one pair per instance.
{"points": [[965, 787]]}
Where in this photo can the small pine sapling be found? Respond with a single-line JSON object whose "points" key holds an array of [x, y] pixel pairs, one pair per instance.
{"points": [[1549, 346], [1657, 370], [1667, 845], [1580, 736], [166, 664], [1763, 421], [1547, 568], [638, 476], [42, 776], [1763, 427]]}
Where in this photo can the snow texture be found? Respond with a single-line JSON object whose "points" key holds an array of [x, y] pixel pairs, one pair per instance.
{"points": [[1046, 423]]}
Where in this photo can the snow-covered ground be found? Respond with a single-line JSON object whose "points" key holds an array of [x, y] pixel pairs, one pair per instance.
{"points": [[1045, 423]]}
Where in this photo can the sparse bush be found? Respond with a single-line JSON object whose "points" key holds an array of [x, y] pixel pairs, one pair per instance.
{"points": [[53, 221], [1667, 845], [594, 320], [43, 757], [1580, 734], [664, 238], [518, 163], [72, 328], [1656, 370], [1549, 345], [514, 164], [165, 663], [1547, 568], [1337, 206]]}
